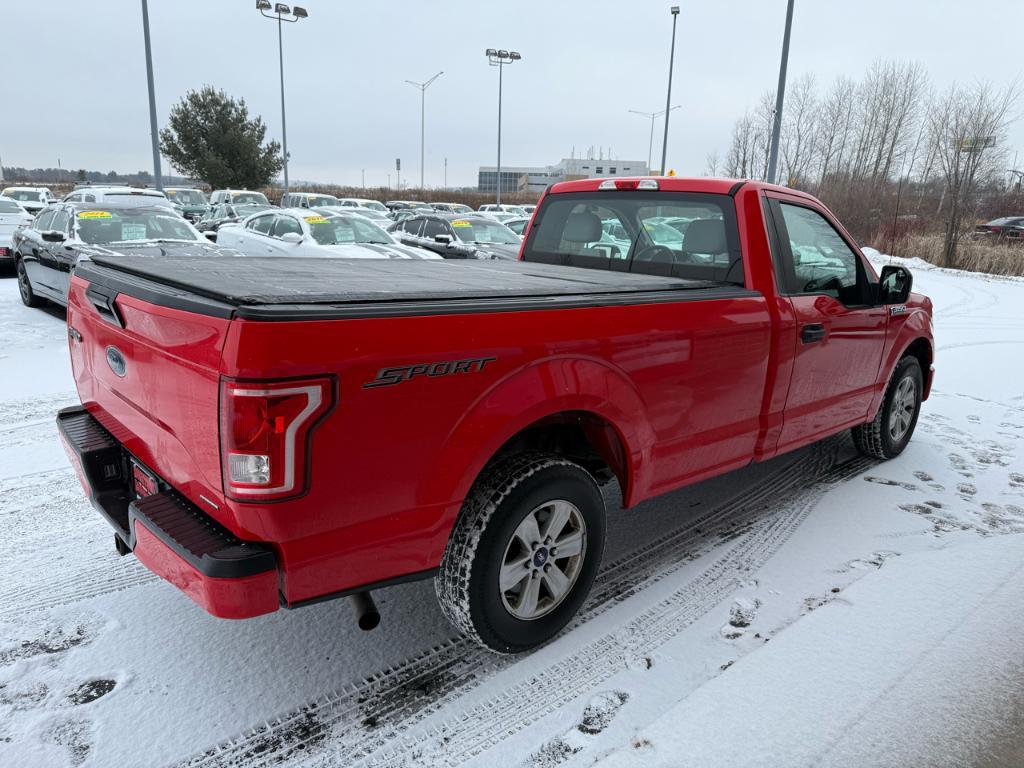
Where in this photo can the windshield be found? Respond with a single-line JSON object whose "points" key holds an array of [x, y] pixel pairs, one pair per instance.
{"points": [[480, 231], [30, 195], [8, 206], [318, 201], [249, 197], [374, 205], [136, 200], [186, 196], [242, 211], [339, 230], [460, 208], [125, 226]]}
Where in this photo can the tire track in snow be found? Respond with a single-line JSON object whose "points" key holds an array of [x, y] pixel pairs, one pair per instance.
{"points": [[367, 716]]}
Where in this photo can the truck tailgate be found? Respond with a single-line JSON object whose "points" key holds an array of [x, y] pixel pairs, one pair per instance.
{"points": [[150, 375]]}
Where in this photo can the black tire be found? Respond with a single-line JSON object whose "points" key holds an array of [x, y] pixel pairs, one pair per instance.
{"points": [[28, 296], [467, 583], [876, 438]]}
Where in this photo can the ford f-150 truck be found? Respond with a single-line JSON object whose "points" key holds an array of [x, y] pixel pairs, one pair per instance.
{"points": [[268, 433]]}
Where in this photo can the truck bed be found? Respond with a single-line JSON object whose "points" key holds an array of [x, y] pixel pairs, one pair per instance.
{"points": [[273, 288]]}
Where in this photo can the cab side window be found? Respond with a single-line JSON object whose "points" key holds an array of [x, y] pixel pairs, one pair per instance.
{"points": [[818, 260], [412, 227], [60, 221], [43, 222]]}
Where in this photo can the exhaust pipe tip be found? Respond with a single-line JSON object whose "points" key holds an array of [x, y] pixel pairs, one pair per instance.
{"points": [[367, 615]]}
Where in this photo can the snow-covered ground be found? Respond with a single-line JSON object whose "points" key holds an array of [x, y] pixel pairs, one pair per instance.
{"points": [[820, 609]]}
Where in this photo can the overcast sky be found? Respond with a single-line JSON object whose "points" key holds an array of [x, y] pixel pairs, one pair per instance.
{"points": [[74, 84]]}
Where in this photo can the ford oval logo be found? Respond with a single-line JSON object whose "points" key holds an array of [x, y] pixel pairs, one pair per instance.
{"points": [[116, 361]]}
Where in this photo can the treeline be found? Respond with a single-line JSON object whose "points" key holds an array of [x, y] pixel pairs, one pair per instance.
{"points": [[888, 153], [18, 175]]}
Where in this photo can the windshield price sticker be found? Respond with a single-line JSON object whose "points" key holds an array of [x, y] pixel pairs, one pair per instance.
{"points": [[133, 231], [95, 215], [461, 223], [316, 220]]}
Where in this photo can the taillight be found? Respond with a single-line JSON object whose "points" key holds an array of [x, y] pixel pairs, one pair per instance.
{"points": [[628, 184], [264, 435]]}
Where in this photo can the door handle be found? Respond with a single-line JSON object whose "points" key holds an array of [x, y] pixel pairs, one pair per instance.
{"points": [[811, 333]]}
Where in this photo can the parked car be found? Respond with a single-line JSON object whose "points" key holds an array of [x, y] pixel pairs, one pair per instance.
{"points": [[517, 224], [140, 196], [308, 200], [518, 210], [238, 197], [12, 218], [48, 251], [299, 232], [32, 199], [227, 213], [455, 236], [529, 209], [380, 218], [1005, 227], [359, 202], [451, 208], [502, 216], [188, 201], [330, 430], [400, 205]]}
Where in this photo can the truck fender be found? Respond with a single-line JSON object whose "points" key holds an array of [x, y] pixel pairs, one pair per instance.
{"points": [[912, 326], [527, 395]]}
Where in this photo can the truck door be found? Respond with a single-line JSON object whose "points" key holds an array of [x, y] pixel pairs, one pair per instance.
{"points": [[840, 331]]}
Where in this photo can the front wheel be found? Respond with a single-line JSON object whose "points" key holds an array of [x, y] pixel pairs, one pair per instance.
{"points": [[28, 296], [524, 552], [885, 436]]}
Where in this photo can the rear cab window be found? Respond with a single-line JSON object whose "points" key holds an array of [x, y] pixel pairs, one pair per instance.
{"points": [[674, 234]]}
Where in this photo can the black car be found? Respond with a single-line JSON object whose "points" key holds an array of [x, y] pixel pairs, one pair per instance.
{"points": [[1008, 227], [47, 251], [227, 213], [455, 236]]}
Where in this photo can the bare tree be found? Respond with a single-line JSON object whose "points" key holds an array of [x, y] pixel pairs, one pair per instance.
{"points": [[967, 125], [799, 126], [711, 164]]}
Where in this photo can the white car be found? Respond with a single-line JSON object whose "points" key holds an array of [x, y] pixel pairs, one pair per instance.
{"points": [[380, 218], [238, 197], [13, 216], [494, 208], [323, 233], [32, 199], [361, 202], [139, 196], [308, 200]]}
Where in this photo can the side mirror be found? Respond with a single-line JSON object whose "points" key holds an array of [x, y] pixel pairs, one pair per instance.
{"points": [[53, 236], [211, 235], [894, 285], [443, 239], [294, 238]]}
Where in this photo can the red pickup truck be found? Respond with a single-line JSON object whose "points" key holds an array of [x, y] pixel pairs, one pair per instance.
{"points": [[268, 433]]}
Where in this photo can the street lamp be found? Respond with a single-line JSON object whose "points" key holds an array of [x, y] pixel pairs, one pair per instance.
{"points": [[773, 150], [423, 116], [499, 58], [152, 99], [280, 11], [668, 97], [652, 116]]}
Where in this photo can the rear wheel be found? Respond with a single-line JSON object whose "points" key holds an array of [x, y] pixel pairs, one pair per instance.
{"points": [[28, 296], [885, 436], [524, 552]]}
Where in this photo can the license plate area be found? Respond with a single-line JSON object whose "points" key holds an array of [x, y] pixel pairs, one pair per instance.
{"points": [[143, 482]]}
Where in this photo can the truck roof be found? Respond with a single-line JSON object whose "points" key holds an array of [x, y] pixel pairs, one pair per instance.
{"points": [[674, 184], [270, 288]]}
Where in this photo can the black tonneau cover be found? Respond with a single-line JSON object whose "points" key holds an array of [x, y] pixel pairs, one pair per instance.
{"points": [[287, 288]]}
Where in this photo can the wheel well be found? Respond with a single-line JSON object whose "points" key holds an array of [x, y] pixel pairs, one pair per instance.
{"points": [[922, 350], [582, 436]]}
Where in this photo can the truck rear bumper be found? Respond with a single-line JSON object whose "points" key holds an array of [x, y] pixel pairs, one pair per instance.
{"points": [[172, 537]]}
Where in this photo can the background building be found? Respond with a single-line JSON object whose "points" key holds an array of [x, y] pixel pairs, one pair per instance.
{"points": [[537, 178]]}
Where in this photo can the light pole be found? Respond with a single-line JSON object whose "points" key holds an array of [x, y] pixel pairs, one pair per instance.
{"points": [[773, 151], [668, 97], [652, 116], [499, 58], [280, 11], [423, 117], [152, 98]]}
